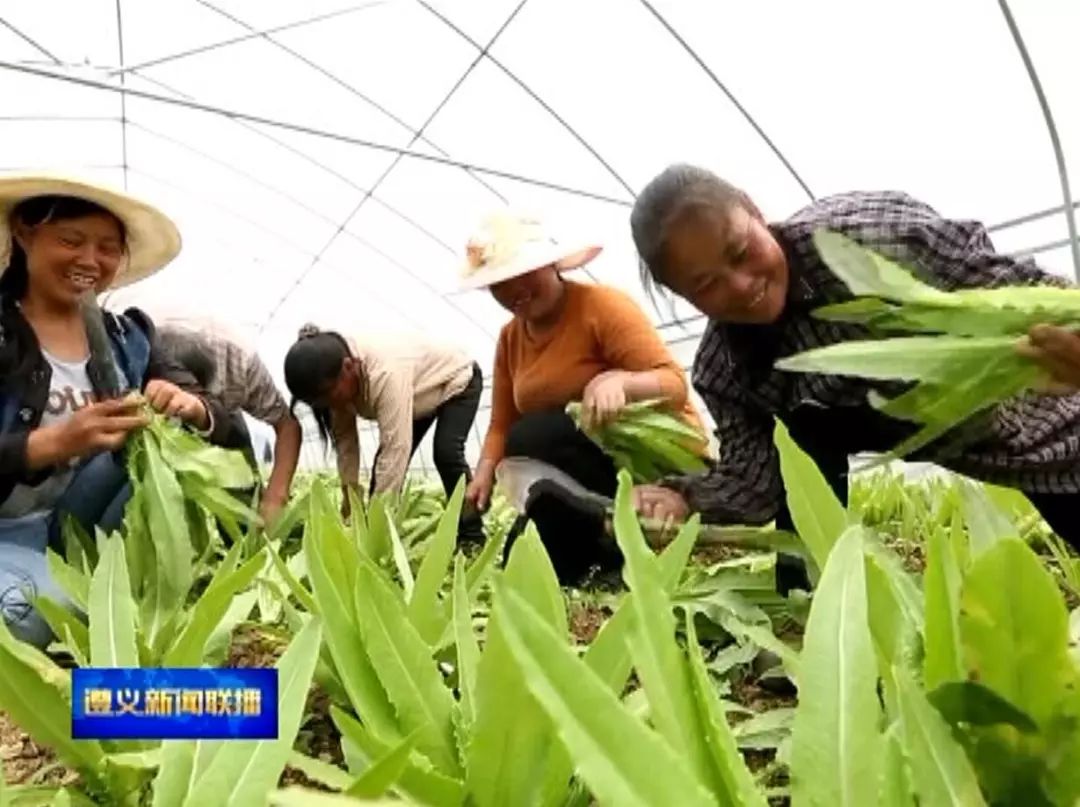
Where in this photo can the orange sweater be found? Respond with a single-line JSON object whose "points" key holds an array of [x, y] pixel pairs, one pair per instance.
{"points": [[601, 329]]}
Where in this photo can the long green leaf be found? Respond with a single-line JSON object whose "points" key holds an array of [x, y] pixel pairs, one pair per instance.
{"points": [[401, 560], [333, 570], [216, 649], [73, 582], [303, 797], [419, 784], [944, 656], [112, 610], [941, 772], [209, 610], [303, 596], [377, 542], [408, 673], [182, 763], [609, 653], [895, 780], [475, 576], [245, 771], [1014, 630], [819, 516], [425, 609], [905, 358], [190, 455], [986, 523], [168, 526], [835, 739], [385, 771], [658, 659], [866, 272], [478, 570], [622, 761], [37, 795], [513, 740], [36, 695], [894, 606], [65, 625], [468, 651], [739, 788]]}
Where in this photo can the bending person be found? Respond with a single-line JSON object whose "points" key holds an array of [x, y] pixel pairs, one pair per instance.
{"points": [[62, 414], [566, 342], [235, 375], [406, 387], [758, 283]]}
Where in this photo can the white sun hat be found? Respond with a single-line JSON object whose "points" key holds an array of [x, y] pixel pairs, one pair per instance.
{"points": [[512, 243], [152, 238]]}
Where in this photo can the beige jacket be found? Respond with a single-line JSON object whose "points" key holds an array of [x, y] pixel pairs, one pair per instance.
{"points": [[402, 380]]}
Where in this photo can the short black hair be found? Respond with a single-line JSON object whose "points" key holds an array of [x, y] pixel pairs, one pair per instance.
{"points": [[15, 281]]}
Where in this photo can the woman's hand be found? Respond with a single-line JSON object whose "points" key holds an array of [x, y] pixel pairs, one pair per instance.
{"points": [[1057, 350], [660, 504], [170, 400], [604, 398], [478, 493], [95, 428]]}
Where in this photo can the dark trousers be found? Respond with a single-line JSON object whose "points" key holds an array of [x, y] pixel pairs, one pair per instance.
{"points": [[452, 422], [831, 435], [575, 540]]}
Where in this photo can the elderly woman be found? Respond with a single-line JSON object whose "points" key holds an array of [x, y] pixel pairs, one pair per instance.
{"points": [[566, 342], [65, 369], [759, 282], [406, 386]]}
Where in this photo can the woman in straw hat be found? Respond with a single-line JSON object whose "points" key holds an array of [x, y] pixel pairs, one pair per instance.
{"points": [[65, 369], [406, 386], [566, 342]]}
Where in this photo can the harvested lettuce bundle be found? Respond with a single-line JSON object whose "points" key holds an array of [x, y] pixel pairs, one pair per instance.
{"points": [[647, 441], [964, 359]]}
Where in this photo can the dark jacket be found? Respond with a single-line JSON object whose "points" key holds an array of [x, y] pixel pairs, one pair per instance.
{"points": [[25, 374]]}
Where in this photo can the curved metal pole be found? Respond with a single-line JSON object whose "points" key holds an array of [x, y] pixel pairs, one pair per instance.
{"points": [[418, 135], [236, 40], [28, 40], [731, 97], [485, 53], [123, 95], [1059, 155], [310, 130]]}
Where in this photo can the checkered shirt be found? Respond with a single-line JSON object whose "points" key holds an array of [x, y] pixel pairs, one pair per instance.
{"points": [[1033, 442]]}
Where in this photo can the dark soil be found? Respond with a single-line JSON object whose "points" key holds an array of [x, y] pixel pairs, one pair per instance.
{"points": [[912, 554], [254, 646], [716, 553], [586, 619], [318, 738], [27, 763]]}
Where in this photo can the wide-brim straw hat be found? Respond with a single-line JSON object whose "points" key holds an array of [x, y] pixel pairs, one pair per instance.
{"points": [[153, 240], [509, 244]]}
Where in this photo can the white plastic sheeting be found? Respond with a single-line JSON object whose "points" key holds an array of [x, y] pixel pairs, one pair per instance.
{"points": [[295, 206]]}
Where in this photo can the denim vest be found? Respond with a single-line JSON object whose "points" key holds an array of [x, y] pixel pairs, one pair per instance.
{"points": [[25, 373]]}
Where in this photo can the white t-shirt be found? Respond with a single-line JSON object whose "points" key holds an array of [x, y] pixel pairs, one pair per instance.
{"points": [[69, 391]]}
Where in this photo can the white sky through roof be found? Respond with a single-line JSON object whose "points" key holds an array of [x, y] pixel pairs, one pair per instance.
{"points": [[283, 226]]}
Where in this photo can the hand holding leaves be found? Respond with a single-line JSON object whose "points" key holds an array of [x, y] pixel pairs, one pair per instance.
{"points": [[1057, 350]]}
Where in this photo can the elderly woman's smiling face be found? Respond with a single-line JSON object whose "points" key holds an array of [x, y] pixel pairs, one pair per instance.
{"points": [[726, 264]]}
